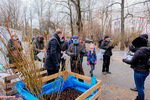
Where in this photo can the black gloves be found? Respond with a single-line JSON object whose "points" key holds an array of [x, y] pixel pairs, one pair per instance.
{"points": [[124, 60]]}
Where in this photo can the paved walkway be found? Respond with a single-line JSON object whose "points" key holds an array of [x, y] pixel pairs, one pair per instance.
{"points": [[117, 85]]}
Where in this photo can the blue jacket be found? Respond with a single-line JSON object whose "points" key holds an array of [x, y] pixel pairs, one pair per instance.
{"points": [[70, 42], [91, 57]]}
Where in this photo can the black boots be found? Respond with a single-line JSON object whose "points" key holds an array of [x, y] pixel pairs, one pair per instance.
{"points": [[137, 98]]}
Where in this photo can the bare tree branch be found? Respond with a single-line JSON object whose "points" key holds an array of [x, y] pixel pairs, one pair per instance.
{"points": [[137, 3], [128, 15], [113, 4]]}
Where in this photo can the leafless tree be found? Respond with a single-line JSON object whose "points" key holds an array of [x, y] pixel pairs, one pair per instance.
{"points": [[123, 17], [39, 8], [12, 10], [77, 4]]}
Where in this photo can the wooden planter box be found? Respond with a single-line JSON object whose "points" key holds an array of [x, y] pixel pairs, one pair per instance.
{"points": [[65, 74], [8, 82]]}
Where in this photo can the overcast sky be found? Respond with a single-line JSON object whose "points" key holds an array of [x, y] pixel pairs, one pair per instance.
{"points": [[127, 1]]}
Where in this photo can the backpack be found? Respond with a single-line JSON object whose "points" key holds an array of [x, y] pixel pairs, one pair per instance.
{"points": [[100, 42]]}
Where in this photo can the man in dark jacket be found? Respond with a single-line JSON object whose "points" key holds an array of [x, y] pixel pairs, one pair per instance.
{"points": [[64, 48], [38, 46], [75, 51], [53, 55], [107, 54], [139, 62]]}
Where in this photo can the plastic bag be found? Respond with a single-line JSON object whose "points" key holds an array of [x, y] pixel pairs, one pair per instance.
{"points": [[64, 56], [102, 51], [100, 55], [127, 56], [41, 55]]}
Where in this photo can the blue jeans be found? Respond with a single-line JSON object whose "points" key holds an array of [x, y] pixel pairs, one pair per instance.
{"points": [[139, 81], [71, 65]]}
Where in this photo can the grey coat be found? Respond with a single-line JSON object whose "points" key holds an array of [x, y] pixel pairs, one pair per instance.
{"points": [[76, 49]]}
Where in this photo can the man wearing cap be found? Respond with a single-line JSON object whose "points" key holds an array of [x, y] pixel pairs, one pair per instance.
{"points": [[75, 51], [53, 53], [107, 54], [38, 46], [64, 48], [14, 49]]}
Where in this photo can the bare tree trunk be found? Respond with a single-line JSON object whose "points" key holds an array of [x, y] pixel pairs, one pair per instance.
{"points": [[79, 22], [122, 26], [71, 22]]}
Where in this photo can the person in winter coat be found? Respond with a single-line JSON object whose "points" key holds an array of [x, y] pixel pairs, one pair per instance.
{"points": [[75, 52], [53, 53], [133, 49], [139, 62], [14, 49], [38, 46], [107, 55], [82, 42], [91, 59], [64, 48]]}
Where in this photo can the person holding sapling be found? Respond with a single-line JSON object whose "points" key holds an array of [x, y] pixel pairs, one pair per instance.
{"points": [[91, 59], [107, 54], [38, 46], [75, 51], [14, 49], [64, 48], [139, 64]]}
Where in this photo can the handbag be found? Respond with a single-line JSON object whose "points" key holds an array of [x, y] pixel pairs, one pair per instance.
{"points": [[100, 55]]}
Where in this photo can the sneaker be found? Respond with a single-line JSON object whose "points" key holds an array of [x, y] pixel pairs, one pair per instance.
{"points": [[108, 72], [134, 89], [104, 73]]}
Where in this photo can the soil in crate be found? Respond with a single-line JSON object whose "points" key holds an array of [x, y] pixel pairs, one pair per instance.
{"points": [[67, 94]]}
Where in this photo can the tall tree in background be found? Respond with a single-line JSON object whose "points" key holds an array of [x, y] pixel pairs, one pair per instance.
{"points": [[39, 8], [122, 25], [12, 10], [71, 20], [79, 16]]}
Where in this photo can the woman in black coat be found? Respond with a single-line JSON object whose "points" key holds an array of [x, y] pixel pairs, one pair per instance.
{"points": [[139, 62]]}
